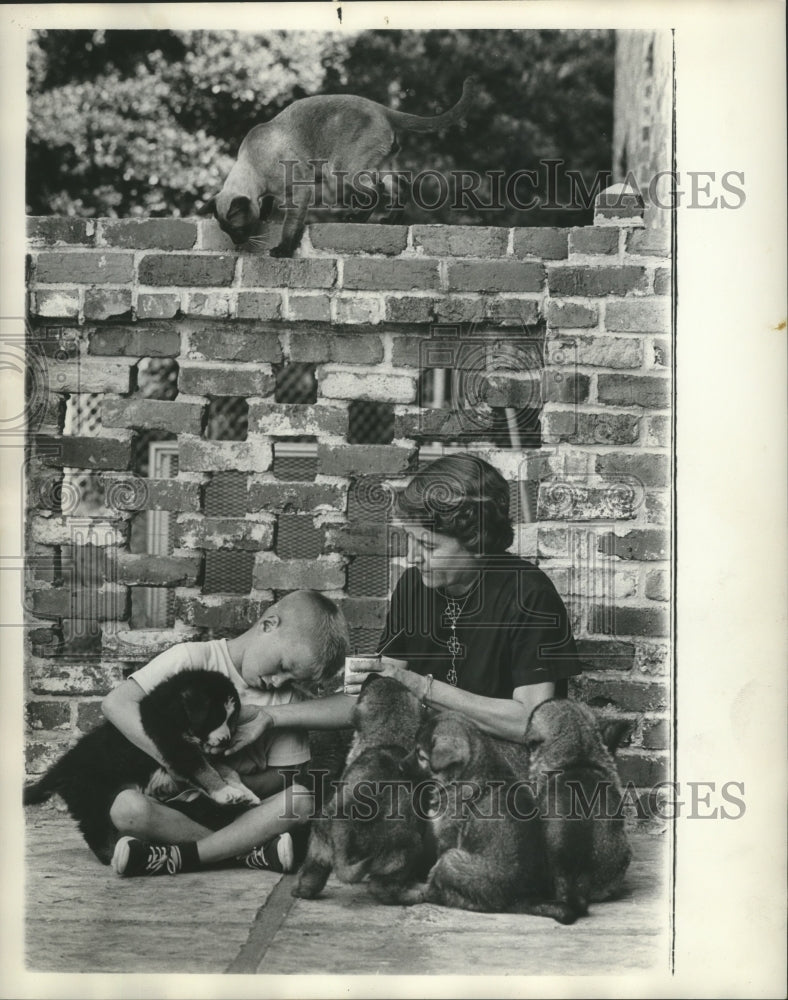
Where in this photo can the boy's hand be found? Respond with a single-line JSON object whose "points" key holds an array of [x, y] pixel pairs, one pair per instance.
{"points": [[249, 731]]}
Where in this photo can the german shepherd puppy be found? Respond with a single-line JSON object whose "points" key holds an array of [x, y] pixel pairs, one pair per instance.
{"points": [[485, 823], [369, 828], [344, 134], [190, 717], [579, 796]]}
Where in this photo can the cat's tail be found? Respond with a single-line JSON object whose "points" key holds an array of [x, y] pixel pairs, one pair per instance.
{"points": [[415, 123]]}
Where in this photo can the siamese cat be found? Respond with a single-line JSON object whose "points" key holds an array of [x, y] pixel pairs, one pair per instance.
{"points": [[308, 155]]}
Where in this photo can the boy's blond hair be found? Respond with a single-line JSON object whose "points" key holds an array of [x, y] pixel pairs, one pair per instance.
{"points": [[322, 626]]}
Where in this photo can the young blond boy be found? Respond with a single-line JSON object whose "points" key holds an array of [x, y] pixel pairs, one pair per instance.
{"points": [[298, 641]]}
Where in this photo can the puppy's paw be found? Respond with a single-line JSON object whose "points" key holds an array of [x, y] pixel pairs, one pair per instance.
{"points": [[232, 794]]}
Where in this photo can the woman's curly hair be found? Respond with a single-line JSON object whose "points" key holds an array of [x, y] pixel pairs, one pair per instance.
{"points": [[461, 496]]}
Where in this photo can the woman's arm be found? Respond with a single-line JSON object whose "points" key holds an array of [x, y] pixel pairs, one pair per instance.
{"points": [[505, 718], [121, 707]]}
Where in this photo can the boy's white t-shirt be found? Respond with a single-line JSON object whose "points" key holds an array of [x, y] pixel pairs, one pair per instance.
{"points": [[280, 748]]}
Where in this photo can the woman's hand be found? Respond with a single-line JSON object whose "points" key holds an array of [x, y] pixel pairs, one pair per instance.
{"points": [[249, 730], [398, 671]]}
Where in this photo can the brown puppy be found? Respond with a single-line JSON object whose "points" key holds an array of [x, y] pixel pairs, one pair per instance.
{"points": [[369, 828], [309, 155], [579, 796], [485, 825]]}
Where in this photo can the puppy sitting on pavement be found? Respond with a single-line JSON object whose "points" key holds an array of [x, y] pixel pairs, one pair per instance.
{"points": [[485, 825], [579, 796], [369, 828]]}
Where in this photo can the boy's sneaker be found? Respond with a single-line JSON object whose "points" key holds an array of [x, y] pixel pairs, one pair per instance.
{"points": [[275, 856], [135, 857]]}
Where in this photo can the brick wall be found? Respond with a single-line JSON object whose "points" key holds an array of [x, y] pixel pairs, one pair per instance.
{"points": [[583, 313]]}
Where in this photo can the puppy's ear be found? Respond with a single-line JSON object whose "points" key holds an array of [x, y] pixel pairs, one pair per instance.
{"points": [[445, 756], [614, 734], [209, 208]]}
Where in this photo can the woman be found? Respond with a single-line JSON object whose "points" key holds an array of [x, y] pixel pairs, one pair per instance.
{"points": [[471, 628]]}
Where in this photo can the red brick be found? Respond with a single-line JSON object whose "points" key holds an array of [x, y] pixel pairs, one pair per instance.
{"points": [[648, 468], [545, 242], [658, 432], [496, 276], [590, 240], [593, 281], [409, 309], [259, 305], [81, 640], [513, 312], [376, 385], [643, 544], [214, 304], [661, 348], [48, 715], [158, 570], [358, 310], [311, 346], [390, 275], [41, 756], [605, 654], [626, 694], [619, 201], [51, 230], [45, 641], [224, 612], [217, 379], [315, 308], [299, 574], [590, 428], [359, 539], [73, 678], [643, 316], [365, 612], [459, 310], [655, 734], [649, 242], [461, 241], [222, 533], [197, 455], [104, 303], [407, 352], [84, 267], [297, 419], [566, 497], [167, 415], [89, 453], [634, 390], [56, 303], [233, 342], [291, 497], [629, 621], [173, 495], [359, 349], [364, 459], [298, 272], [440, 423], [657, 508], [571, 315], [89, 375], [609, 352], [347, 238], [187, 270], [662, 281], [147, 234], [560, 388], [152, 340], [658, 585], [158, 305], [70, 602]]}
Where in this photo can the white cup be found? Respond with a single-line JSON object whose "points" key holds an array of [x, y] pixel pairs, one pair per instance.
{"points": [[357, 668]]}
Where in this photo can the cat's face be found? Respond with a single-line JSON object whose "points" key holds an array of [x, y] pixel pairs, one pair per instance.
{"points": [[237, 216]]}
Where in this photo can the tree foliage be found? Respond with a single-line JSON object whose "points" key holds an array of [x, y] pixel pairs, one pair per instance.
{"points": [[148, 122]]}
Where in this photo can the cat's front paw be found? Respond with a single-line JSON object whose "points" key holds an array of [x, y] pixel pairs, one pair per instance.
{"points": [[281, 251]]}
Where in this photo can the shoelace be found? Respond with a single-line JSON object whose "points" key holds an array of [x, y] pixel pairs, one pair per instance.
{"points": [[257, 858], [164, 857]]}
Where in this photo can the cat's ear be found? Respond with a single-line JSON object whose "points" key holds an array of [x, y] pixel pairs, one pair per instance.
{"points": [[209, 208]]}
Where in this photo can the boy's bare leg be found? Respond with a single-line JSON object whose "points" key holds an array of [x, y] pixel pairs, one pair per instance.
{"points": [[138, 815], [276, 814]]}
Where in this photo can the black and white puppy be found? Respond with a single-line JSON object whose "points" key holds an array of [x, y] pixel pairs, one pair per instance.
{"points": [[190, 717]]}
